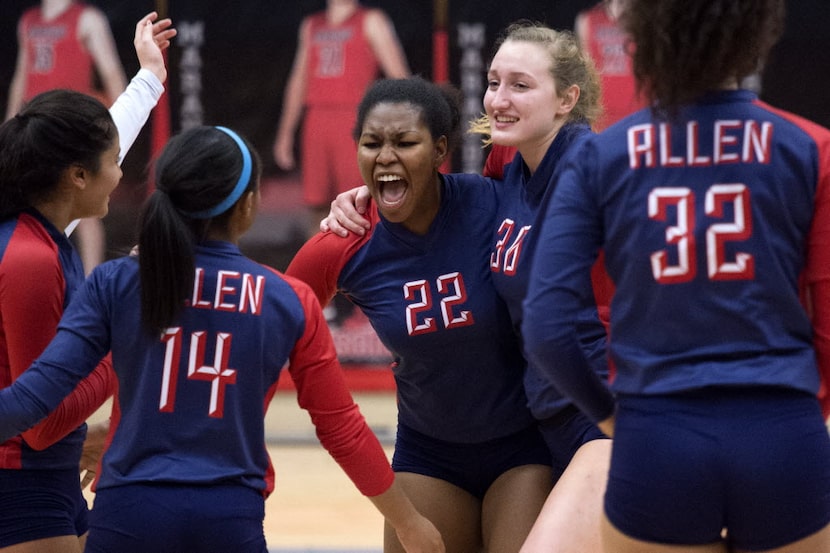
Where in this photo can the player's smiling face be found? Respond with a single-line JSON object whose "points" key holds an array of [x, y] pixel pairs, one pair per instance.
{"points": [[93, 199], [399, 162], [521, 98]]}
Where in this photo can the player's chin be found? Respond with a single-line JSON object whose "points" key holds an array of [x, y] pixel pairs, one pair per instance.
{"points": [[506, 138]]}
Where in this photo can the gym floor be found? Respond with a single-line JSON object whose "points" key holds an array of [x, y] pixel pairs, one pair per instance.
{"points": [[315, 508]]}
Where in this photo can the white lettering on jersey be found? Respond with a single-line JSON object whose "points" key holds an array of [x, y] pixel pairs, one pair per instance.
{"points": [[676, 207], [734, 141], [454, 294], [507, 259], [217, 373], [240, 292]]}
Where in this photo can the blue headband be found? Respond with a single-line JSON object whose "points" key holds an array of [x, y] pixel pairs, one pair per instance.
{"points": [[240, 187]]}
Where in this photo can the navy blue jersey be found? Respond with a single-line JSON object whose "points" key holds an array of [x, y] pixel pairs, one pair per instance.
{"points": [[191, 400], [511, 257], [707, 226], [432, 303]]}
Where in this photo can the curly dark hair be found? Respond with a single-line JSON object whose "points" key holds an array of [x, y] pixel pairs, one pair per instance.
{"points": [[684, 48]]}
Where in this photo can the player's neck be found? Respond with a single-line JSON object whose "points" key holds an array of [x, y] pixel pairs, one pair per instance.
{"points": [[338, 11], [50, 9]]}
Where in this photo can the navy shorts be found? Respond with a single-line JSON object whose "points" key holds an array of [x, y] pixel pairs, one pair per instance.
{"points": [[753, 461], [471, 467], [38, 504], [565, 433], [167, 518]]}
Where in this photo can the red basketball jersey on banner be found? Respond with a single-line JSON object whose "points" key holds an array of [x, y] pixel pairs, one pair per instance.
{"points": [[606, 43], [342, 63], [56, 58]]}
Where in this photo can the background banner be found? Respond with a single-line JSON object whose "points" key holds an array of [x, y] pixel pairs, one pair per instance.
{"points": [[230, 61]]}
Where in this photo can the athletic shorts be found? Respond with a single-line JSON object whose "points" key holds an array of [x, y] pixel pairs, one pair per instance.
{"points": [[565, 433], [471, 467], [754, 461], [329, 155], [38, 504], [165, 518]]}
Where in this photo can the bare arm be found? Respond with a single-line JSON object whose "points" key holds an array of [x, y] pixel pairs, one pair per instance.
{"points": [[94, 31], [19, 79], [292, 101], [581, 28], [380, 32]]}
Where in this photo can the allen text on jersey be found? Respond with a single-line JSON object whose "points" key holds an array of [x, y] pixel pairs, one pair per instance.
{"points": [[731, 141], [235, 291]]}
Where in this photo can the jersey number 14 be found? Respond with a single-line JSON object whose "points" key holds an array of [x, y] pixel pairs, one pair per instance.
{"points": [[218, 373]]}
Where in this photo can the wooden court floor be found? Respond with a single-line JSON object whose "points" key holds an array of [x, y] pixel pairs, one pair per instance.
{"points": [[315, 507]]}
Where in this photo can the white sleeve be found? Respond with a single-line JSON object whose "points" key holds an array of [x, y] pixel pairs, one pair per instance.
{"points": [[132, 108], [130, 111]]}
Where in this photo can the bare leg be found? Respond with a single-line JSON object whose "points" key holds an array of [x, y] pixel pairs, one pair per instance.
{"points": [[511, 505], [59, 544], [455, 513], [570, 520]]}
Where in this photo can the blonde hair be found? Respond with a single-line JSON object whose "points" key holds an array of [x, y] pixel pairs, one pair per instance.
{"points": [[570, 65]]}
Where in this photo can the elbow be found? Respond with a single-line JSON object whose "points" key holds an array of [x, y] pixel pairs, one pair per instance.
{"points": [[543, 338], [37, 440]]}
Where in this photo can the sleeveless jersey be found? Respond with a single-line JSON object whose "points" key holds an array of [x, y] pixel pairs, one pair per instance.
{"points": [[709, 225], [606, 44], [56, 57], [432, 303], [341, 62]]}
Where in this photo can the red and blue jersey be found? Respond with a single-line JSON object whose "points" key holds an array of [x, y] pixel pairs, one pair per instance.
{"points": [[432, 302], [716, 233], [191, 400], [39, 274]]}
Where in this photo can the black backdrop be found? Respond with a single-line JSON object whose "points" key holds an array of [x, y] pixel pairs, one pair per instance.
{"points": [[240, 55]]}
